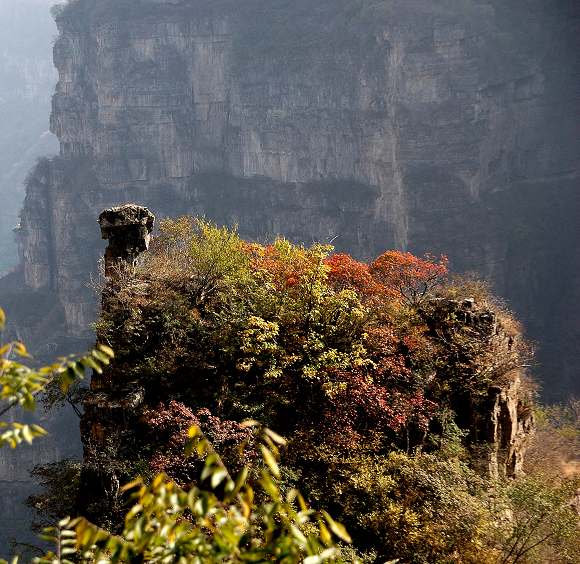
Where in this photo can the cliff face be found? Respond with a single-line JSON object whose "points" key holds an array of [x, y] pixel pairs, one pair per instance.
{"points": [[27, 79], [444, 127]]}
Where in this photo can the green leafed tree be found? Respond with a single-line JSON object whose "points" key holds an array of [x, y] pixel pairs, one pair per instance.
{"points": [[231, 522], [22, 385]]}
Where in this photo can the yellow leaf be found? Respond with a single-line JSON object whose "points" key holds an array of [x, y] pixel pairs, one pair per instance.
{"points": [[107, 350], [27, 434], [132, 485], [249, 423], [275, 437], [157, 481], [133, 512], [325, 535], [337, 528], [20, 350], [270, 461]]}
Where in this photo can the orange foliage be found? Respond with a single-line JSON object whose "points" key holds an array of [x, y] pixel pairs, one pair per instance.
{"points": [[410, 277], [283, 271], [385, 395], [348, 274]]}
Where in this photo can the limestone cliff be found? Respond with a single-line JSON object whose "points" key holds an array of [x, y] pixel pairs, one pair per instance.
{"points": [[27, 80], [430, 126]]}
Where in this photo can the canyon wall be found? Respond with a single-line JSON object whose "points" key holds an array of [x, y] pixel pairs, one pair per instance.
{"points": [[448, 127], [27, 79]]}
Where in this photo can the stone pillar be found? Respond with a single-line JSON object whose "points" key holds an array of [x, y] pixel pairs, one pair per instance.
{"points": [[112, 404], [128, 230]]}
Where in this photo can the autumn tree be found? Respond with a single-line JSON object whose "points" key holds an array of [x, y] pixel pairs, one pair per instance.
{"points": [[408, 277], [367, 375]]}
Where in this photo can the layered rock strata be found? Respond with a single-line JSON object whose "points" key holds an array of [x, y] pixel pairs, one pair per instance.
{"points": [[428, 126]]}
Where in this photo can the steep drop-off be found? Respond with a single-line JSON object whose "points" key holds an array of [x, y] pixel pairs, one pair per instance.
{"points": [[430, 126]]}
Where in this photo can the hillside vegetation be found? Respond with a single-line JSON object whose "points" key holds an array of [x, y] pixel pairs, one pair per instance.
{"points": [[378, 375], [382, 381]]}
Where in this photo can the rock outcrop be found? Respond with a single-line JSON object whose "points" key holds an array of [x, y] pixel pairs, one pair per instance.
{"points": [[480, 368], [128, 229], [500, 424], [428, 126], [110, 407]]}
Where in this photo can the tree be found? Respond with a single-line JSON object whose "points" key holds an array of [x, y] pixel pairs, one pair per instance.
{"points": [[231, 523], [21, 385], [409, 277], [333, 353], [542, 524], [228, 523]]}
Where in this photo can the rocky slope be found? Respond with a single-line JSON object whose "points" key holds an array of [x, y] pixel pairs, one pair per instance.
{"points": [[444, 127]]}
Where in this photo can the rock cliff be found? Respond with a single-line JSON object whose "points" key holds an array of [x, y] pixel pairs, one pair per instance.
{"points": [[503, 422], [27, 79], [429, 126]]}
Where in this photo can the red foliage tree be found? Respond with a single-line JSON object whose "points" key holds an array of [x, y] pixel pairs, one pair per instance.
{"points": [[410, 277], [168, 427], [345, 273], [364, 406]]}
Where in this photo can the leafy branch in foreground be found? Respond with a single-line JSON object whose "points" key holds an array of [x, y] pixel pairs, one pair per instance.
{"points": [[20, 385], [224, 524]]}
